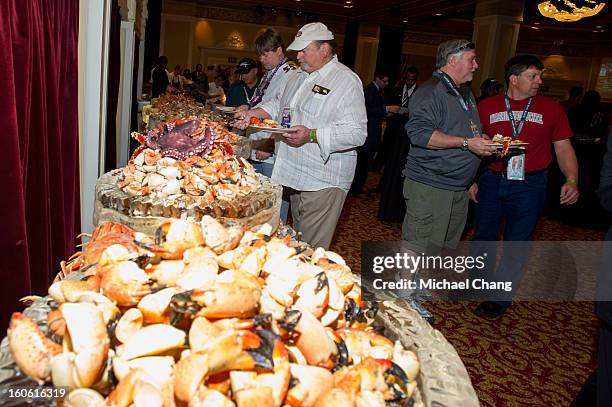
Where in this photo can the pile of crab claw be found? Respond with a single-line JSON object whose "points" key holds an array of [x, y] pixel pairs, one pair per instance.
{"points": [[204, 314], [187, 161]]}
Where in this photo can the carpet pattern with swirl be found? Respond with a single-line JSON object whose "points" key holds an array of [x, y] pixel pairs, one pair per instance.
{"points": [[537, 354]]}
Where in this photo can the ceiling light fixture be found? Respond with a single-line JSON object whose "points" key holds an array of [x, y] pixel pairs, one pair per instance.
{"points": [[569, 11], [404, 21], [438, 14]]}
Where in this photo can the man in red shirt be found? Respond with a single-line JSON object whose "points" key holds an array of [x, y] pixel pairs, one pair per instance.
{"points": [[512, 190]]}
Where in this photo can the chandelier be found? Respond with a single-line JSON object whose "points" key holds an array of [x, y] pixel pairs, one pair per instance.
{"points": [[568, 11]]}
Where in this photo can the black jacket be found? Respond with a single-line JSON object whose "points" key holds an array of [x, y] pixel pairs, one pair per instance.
{"points": [[159, 79], [604, 284], [374, 103]]}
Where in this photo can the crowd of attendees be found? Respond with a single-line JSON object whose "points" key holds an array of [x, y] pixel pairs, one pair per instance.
{"points": [[210, 87]]}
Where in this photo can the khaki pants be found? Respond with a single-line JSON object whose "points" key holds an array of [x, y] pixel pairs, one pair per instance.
{"points": [[315, 214], [435, 217]]}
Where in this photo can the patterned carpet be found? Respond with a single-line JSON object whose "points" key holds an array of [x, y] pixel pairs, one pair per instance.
{"points": [[537, 354]]}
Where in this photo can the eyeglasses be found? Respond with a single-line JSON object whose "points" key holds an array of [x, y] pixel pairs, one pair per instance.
{"points": [[469, 45]]}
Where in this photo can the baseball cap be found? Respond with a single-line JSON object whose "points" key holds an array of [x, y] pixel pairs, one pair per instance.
{"points": [[309, 33], [245, 65]]}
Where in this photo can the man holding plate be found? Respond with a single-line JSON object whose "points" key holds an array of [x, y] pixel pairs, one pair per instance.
{"points": [[316, 160], [512, 190]]}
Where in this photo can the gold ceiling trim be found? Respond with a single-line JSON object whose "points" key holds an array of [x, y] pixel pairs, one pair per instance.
{"points": [[547, 9]]}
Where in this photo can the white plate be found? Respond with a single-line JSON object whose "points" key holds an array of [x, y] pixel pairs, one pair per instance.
{"points": [[225, 109], [514, 145], [273, 129]]}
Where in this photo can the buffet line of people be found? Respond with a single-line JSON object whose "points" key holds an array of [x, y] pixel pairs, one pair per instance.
{"points": [[442, 147]]}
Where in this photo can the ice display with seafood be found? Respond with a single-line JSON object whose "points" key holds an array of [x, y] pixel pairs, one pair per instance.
{"points": [[204, 314], [186, 167]]}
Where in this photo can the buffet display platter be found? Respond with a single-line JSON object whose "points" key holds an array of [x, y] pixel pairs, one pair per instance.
{"points": [[443, 378], [442, 382], [146, 214], [440, 377]]}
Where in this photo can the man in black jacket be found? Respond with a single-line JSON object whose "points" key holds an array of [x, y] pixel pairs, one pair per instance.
{"points": [[597, 389], [159, 77], [394, 150], [376, 111]]}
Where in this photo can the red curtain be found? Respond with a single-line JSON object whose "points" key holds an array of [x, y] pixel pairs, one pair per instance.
{"points": [[39, 196]]}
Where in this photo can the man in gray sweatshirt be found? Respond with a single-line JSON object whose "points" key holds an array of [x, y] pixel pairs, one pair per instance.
{"points": [[447, 142]]}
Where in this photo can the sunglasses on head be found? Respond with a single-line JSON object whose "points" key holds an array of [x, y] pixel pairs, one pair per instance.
{"points": [[469, 45]]}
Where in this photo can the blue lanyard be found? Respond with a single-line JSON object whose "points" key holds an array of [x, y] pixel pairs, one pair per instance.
{"points": [[516, 130], [265, 82], [466, 106]]}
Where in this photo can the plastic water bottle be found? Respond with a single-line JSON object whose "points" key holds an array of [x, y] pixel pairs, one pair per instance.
{"points": [[286, 119]]}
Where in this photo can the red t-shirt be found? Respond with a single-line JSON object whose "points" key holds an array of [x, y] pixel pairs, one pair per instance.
{"points": [[545, 124]]}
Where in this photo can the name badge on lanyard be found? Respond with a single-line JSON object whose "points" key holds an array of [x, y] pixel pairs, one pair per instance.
{"points": [[516, 163], [466, 105]]}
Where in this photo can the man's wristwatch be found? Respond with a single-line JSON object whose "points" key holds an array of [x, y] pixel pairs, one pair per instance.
{"points": [[464, 146]]}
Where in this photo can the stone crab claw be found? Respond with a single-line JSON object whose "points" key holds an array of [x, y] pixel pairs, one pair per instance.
{"points": [[152, 340], [203, 332], [155, 307], [370, 382], [85, 347], [362, 343], [219, 237], [247, 258], [130, 322], [30, 348], [278, 380], [308, 383], [314, 342], [70, 290], [124, 283], [137, 388], [232, 294], [173, 238], [233, 350], [85, 398], [160, 368], [210, 398], [313, 295]]}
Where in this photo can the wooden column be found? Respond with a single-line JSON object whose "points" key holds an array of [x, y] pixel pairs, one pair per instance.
{"points": [[496, 30]]}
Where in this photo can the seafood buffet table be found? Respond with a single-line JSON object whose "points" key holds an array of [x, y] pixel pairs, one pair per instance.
{"points": [[442, 381], [312, 338]]}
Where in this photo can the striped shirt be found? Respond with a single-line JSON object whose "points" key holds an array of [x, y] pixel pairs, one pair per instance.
{"points": [[331, 101]]}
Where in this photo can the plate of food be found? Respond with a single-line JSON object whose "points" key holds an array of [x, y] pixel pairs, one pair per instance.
{"points": [[505, 143], [268, 125]]}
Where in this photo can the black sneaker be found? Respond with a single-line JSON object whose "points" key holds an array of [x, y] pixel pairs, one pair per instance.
{"points": [[490, 310]]}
